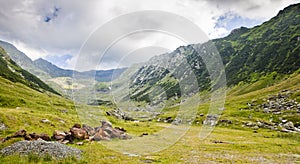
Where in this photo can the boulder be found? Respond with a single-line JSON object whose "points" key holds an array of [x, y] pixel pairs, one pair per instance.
{"points": [[289, 125], [76, 126], [58, 135], [20, 133], [45, 121], [79, 133], [100, 135], [44, 137], [90, 130]]}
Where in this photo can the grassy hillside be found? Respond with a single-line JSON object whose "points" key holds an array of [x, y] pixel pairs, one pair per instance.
{"points": [[270, 49], [10, 70], [227, 143]]}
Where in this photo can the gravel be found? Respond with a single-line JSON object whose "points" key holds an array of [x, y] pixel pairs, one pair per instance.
{"points": [[54, 149]]}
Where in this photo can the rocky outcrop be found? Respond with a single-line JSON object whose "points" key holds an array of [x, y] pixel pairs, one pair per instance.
{"points": [[281, 107], [78, 133], [119, 114]]}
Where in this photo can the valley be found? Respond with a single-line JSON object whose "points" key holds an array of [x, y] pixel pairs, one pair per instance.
{"points": [[234, 99]]}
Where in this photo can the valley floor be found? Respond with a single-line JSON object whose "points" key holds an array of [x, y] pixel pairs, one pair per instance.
{"points": [[223, 145]]}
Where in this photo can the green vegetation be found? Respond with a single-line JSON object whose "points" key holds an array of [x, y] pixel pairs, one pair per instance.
{"points": [[10, 70], [264, 53], [260, 62]]}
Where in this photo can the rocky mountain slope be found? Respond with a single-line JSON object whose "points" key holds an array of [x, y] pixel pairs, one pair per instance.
{"points": [[13, 72], [271, 49]]}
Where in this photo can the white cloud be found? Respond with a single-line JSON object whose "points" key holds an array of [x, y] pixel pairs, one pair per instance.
{"points": [[23, 23]]}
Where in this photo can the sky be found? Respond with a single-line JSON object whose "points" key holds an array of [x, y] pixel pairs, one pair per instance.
{"points": [[59, 31]]}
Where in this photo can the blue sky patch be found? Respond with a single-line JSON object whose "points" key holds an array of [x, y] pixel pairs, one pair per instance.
{"points": [[231, 20], [60, 61]]}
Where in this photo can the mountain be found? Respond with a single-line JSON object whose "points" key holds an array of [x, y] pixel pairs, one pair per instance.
{"points": [[46, 70], [99, 75], [23, 60], [13, 72], [52, 69], [269, 50]]}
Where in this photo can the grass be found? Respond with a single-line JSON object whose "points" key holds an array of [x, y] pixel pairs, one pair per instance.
{"points": [[230, 143]]}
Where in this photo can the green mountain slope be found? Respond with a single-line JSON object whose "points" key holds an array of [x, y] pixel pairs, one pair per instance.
{"points": [[11, 71], [270, 50]]}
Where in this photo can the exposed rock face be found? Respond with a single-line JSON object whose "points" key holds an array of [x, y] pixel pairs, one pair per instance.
{"points": [[41, 148]]}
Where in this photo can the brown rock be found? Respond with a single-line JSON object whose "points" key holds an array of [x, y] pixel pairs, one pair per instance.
{"points": [[100, 135], [121, 129], [44, 137], [77, 126], [20, 133], [34, 136], [90, 130], [106, 124], [79, 133], [65, 141], [58, 135]]}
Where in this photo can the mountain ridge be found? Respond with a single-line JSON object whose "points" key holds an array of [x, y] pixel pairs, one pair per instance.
{"points": [[13, 72], [248, 54]]}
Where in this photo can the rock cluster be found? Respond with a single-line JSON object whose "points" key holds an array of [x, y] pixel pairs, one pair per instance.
{"points": [[42, 148], [77, 132], [85, 132], [211, 119], [276, 104], [119, 114], [283, 126]]}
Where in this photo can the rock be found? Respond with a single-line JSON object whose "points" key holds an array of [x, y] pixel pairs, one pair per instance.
{"points": [[64, 111], [79, 133], [289, 125], [42, 148], [79, 143], [226, 121], [100, 135], [106, 124], [45, 121], [121, 129], [3, 126], [65, 141], [34, 136], [211, 120], [260, 124], [20, 133], [296, 129], [77, 126], [44, 137], [58, 135], [144, 134], [286, 130], [91, 131]]}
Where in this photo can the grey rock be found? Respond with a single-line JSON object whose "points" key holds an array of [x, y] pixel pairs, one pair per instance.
{"points": [[3, 126], [42, 148], [45, 121]]}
